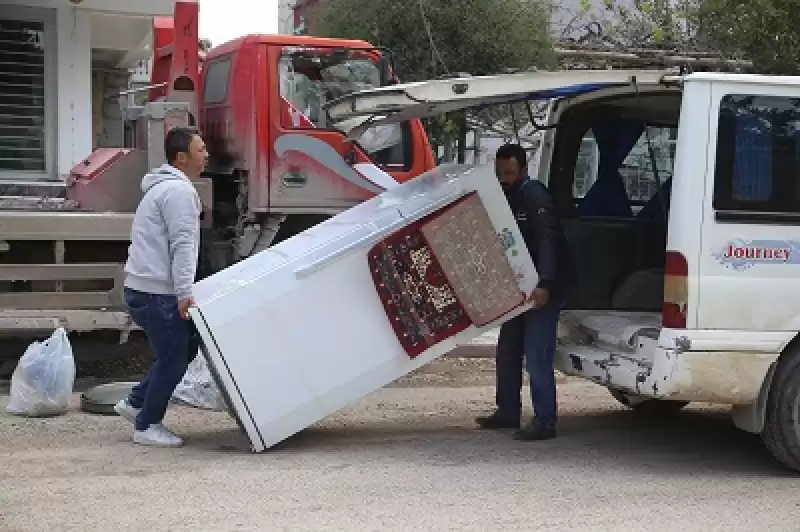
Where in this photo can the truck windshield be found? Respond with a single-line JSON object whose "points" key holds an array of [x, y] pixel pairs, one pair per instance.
{"points": [[309, 78]]}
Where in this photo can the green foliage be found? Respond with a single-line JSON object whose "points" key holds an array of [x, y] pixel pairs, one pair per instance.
{"points": [[767, 31], [667, 23], [434, 37]]}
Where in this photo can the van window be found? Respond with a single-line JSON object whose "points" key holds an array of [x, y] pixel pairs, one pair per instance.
{"points": [[215, 87], [758, 154], [633, 175]]}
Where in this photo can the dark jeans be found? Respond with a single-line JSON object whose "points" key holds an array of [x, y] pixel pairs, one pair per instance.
{"points": [[174, 342], [530, 336]]}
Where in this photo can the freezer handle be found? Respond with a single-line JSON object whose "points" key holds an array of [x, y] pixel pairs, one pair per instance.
{"points": [[369, 240]]}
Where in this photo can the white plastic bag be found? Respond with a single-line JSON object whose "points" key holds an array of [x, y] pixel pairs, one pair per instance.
{"points": [[44, 378], [198, 389]]}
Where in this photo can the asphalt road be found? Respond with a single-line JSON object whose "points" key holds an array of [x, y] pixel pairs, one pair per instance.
{"points": [[405, 458]]}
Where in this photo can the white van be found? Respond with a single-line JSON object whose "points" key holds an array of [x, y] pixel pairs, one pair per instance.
{"points": [[689, 276]]}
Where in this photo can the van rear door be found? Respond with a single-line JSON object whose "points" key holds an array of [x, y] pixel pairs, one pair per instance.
{"points": [[424, 99]]}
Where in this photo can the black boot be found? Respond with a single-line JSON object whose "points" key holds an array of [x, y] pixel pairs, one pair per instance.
{"points": [[535, 431], [497, 421]]}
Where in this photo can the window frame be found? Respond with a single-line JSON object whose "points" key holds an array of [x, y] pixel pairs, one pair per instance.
{"points": [[663, 174], [46, 17], [406, 133], [207, 68], [783, 201]]}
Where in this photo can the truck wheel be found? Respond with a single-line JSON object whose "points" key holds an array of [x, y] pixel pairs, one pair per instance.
{"points": [[781, 433], [658, 407]]}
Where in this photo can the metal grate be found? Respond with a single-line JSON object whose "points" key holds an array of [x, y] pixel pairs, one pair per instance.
{"points": [[22, 96]]}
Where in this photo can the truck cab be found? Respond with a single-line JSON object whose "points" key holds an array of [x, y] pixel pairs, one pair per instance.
{"points": [[679, 198], [274, 150]]}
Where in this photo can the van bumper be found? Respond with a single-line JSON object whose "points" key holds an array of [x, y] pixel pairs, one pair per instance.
{"points": [[655, 371]]}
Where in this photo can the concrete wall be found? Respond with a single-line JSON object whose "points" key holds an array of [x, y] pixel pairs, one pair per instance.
{"points": [[74, 82], [107, 124], [116, 7]]}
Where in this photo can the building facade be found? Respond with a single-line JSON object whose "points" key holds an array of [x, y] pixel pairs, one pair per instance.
{"points": [[61, 64], [297, 16], [286, 16]]}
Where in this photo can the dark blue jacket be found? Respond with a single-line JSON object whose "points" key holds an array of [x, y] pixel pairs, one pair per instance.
{"points": [[544, 237]]}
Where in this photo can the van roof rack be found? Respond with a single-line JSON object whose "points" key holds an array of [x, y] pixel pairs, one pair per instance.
{"points": [[574, 55]]}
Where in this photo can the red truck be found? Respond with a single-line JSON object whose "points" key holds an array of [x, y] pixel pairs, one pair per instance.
{"points": [[273, 151], [277, 168]]}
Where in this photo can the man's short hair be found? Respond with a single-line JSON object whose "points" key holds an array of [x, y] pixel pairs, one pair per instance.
{"points": [[177, 141], [513, 151]]}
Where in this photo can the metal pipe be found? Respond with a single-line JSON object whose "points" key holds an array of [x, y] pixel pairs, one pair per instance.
{"points": [[138, 89]]}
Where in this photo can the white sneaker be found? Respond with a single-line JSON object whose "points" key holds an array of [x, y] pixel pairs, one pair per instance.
{"points": [[126, 411], [157, 436]]}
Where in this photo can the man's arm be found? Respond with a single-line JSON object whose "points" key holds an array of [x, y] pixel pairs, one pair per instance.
{"points": [[543, 220], [183, 230]]}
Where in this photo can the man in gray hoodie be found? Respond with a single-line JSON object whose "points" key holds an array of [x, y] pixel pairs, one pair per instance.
{"points": [[160, 272]]}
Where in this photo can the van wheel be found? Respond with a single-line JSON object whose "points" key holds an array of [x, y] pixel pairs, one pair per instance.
{"points": [[781, 433], [657, 407]]}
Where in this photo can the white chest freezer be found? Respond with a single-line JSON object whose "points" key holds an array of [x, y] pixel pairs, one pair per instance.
{"points": [[316, 322]]}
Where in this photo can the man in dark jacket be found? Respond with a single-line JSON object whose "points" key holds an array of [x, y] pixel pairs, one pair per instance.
{"points": [[531, 335]]}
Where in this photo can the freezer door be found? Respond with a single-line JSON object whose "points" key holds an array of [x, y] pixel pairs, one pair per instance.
{"points": [[443, 274], [306, 327]]}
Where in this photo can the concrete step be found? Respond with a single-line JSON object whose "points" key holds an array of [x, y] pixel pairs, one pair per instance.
{"points": [[37, 203], [36, 189]]}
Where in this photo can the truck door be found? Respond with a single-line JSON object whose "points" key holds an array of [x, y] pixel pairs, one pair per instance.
{"points": [[750, 258], [311, 167]]}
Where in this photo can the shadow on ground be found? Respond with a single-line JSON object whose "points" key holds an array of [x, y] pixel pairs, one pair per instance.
{"points": [[689, 443]]}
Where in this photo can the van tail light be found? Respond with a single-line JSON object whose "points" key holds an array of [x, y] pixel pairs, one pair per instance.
{"points": [[676, 291]]}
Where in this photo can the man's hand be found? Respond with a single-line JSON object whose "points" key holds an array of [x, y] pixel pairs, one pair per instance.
{"points": [[183, 307], [539, 297]]}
